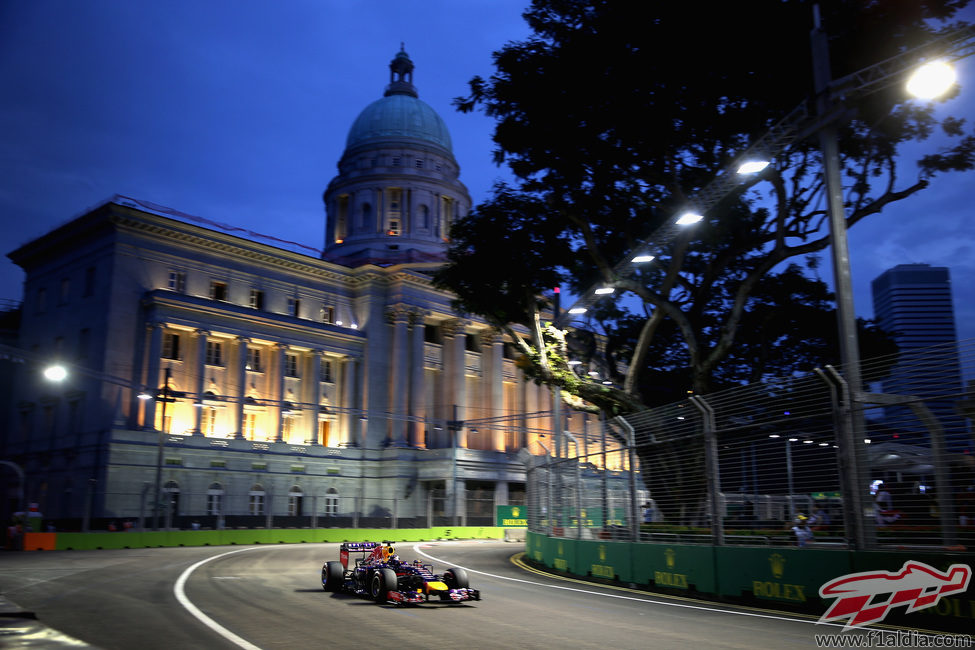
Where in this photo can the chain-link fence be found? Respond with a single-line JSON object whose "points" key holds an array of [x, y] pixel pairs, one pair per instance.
{"points": [[798, 460]]}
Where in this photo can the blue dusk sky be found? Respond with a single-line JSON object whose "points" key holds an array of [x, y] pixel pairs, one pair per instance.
{"points": [[238, 112]]}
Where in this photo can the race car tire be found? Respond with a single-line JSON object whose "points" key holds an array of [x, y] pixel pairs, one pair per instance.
{"points": [[383, 581], [333, 575], [456, 578]]}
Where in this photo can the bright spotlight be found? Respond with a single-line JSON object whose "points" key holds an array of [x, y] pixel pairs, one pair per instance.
{"points": [[643, 257], [752, 166], [55, 373], [577, 310], [604, 291], [688, 218], [931, 80]]}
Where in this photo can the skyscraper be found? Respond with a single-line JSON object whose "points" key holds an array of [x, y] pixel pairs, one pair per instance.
{"points": [[913, 303]]}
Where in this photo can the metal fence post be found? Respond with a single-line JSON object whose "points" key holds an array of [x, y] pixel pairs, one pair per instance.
{"points": [[634, 508], [578, 483], [712, 470], [848, 458]]}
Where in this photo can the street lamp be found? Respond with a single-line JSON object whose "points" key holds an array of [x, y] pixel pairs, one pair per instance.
{"points": [[165, 396]]}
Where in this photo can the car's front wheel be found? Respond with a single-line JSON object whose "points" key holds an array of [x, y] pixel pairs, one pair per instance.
{"points": [[383, 581]]}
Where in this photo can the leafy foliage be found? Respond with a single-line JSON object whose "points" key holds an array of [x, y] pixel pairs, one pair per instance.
{"points": [[610, 120]]}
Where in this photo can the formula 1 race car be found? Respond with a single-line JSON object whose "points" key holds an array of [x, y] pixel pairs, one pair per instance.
{"points": [[379, 574]]}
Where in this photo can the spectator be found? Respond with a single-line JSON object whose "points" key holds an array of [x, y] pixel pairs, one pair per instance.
{"points": [[802, 530]]}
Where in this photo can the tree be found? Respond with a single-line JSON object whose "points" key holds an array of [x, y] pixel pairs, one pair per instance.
{"points": [[608, 127]]}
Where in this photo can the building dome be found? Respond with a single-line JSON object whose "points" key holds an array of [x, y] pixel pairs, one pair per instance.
{"points": [[398, 117], [398, 189]]}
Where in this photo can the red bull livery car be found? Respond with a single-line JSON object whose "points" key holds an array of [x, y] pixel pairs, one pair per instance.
{"points": [[377, 572]]}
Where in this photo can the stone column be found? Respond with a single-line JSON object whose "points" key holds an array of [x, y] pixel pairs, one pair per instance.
{"points": [[455, 360], [418, 384], [282, 352], [152, 373], [201, 372], [242, 342], [350, 433], [398, 316], [492, 377], [314, 392]]}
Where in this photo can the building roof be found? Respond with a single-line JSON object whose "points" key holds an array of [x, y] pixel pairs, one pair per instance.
{"points": [[400, 114]]}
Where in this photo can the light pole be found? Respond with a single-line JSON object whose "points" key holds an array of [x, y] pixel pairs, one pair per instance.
{"points": [[454, 426], [165, 399]]}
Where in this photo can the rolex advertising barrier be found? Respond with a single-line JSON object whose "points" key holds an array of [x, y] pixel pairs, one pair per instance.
{"points": [[775, 578]]}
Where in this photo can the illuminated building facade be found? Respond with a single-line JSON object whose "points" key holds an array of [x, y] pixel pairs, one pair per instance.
{"points": [[306, 386]]}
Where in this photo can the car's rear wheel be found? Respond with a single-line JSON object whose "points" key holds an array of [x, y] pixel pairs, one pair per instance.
{"points": [[456, 578], [333, 575], [383, 581]]}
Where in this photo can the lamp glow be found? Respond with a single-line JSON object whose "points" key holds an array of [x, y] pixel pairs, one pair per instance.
{"points": [[603, 291], [931, 80], [578, 310], [689, 218], [752, 166], [643, 257], [55, 373]]}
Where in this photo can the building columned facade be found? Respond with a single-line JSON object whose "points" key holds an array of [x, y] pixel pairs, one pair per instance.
{"points": [[247, 380]]}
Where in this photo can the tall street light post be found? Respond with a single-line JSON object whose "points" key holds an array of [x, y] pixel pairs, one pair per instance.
{"points": [[165, 398]]}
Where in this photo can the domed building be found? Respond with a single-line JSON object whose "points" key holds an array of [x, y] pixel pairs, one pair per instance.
{"points": [[251, 384], [398, 188]]}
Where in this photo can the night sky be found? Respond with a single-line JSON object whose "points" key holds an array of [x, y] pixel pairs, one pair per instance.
{"points": [[238, 112]]}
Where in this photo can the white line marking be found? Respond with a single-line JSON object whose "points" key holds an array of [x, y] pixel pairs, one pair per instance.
{"points": [[620, 596], [200, 616]]}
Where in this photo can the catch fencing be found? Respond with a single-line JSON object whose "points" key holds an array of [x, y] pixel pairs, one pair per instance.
{"points": [[802, 460]]}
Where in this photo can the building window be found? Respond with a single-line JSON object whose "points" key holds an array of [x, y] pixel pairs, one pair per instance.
{"points": [[89, 281], [250, 425], [214, 499], [170, 348], [331, 502], [326, 373], [328, 314], [65, 291], [74, 416], [257, 299], [177, 281], [396, 161], [287, 425], [84, 339], [291, 365], [295, 496], [256, 500], [323, 431], [294, 307], [419, 163], [254, 360], [218, 290], [425, 216], [209, 421], [214, 353]]}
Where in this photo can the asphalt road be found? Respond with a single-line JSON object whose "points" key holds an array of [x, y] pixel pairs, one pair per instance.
{"points": [[271, 597]]}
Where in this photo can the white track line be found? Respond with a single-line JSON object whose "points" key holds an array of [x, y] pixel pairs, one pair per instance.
{"points": [[203, 618], [620, 596]]}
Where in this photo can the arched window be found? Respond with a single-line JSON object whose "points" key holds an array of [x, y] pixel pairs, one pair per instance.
{"points": [[331, 502], [295, 496], [214, 499], [256, 499], [365, 217]]}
